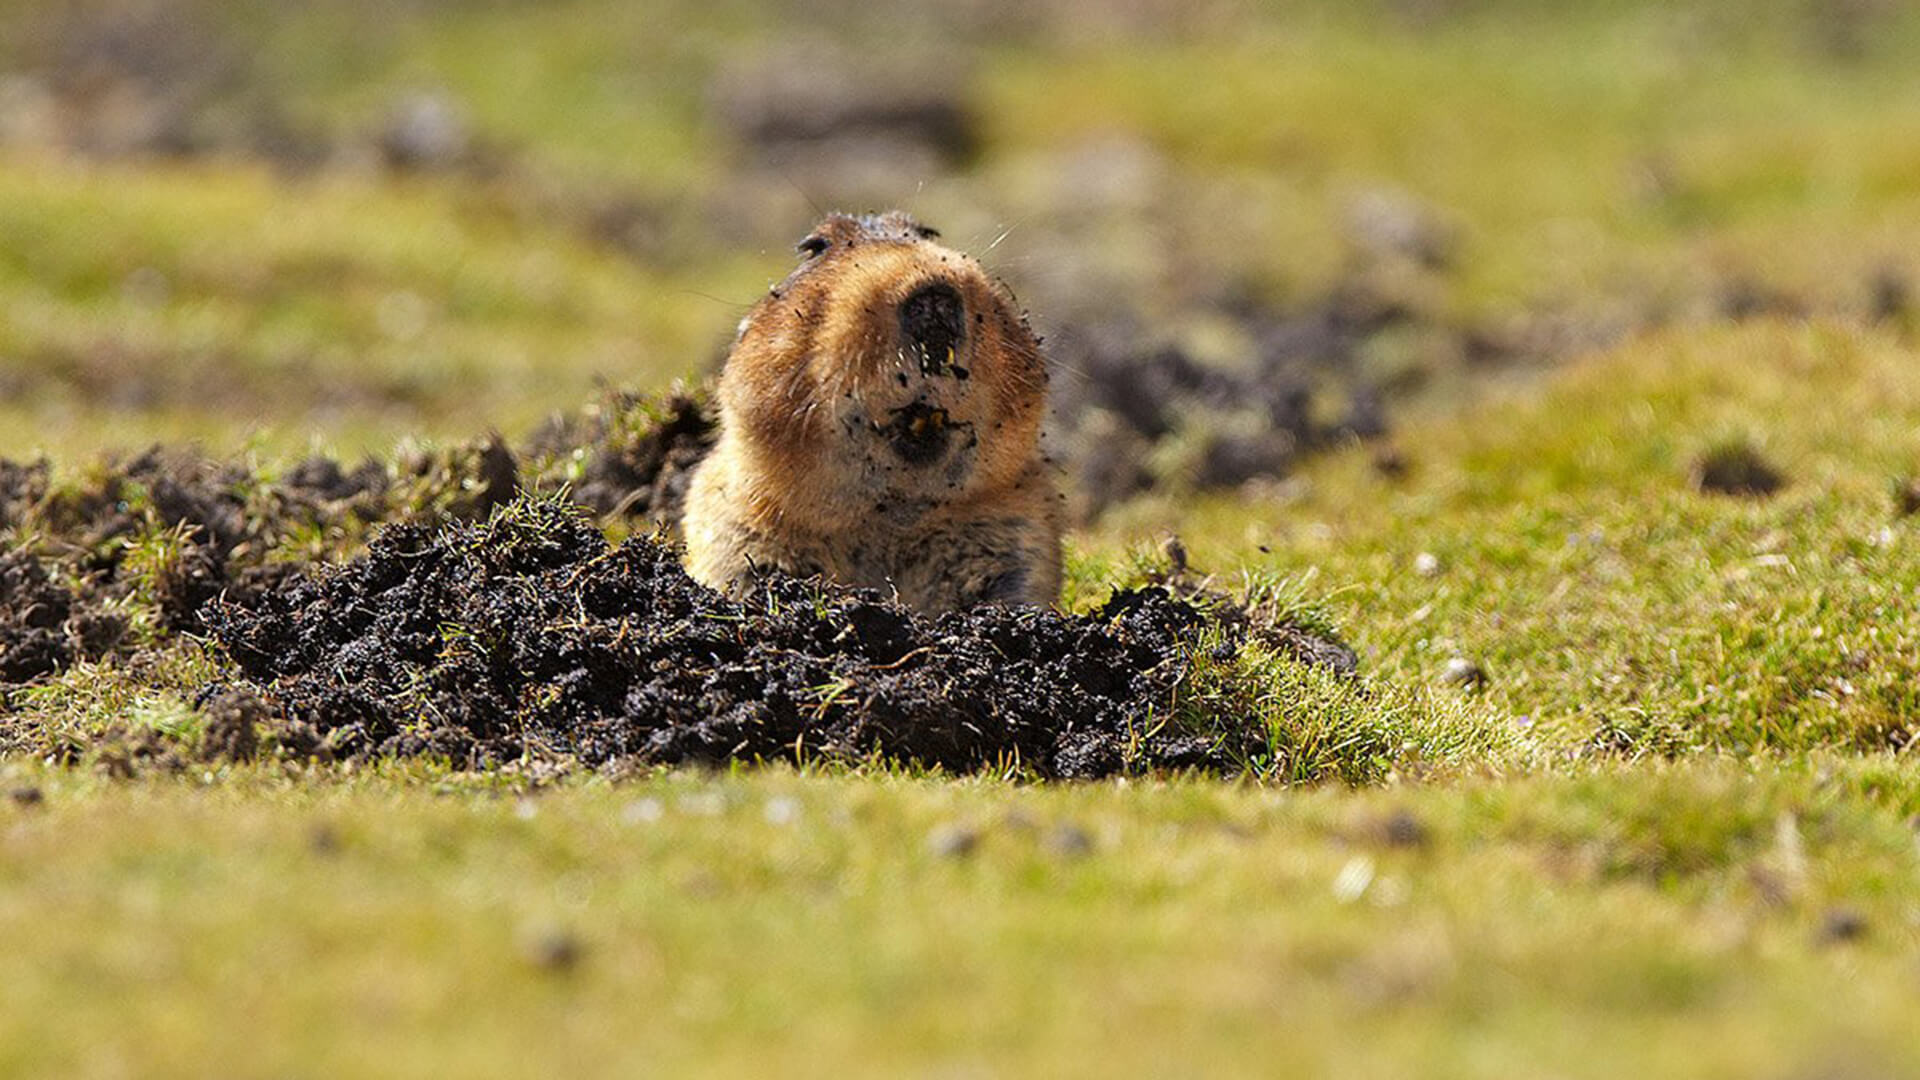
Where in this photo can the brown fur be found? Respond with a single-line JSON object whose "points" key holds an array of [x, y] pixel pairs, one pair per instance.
{"points": [[849, 449]]}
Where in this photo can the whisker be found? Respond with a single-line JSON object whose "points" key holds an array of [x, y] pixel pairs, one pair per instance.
{"points": [[795, 185], [737, 305]]}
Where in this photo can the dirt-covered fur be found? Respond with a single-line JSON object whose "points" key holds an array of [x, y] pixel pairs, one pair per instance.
{"points": [[880, 425]]}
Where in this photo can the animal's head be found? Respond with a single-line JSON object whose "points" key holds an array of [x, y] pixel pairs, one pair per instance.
{"points": [[888, 368]]}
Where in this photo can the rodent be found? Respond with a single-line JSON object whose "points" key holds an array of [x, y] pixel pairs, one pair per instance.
{"points": [[880, 415]]}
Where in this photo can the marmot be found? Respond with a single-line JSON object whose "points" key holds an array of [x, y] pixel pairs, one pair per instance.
{"points": [[880, 419]]}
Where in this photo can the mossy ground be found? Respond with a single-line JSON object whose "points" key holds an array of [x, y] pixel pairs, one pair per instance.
{"points": [[1662, 815]]}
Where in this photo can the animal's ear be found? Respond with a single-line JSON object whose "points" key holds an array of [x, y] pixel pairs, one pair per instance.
{"points": [[812, 245]]}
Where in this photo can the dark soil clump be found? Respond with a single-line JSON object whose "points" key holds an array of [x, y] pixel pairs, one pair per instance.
{"points": [[170, 530], [529, 635], [1133, 413], [33, 616], [235, 718], [779, 109], [631, 457], [21, 485], [1737, 468]]}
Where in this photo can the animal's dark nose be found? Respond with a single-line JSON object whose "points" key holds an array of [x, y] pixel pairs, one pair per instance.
{"points": [[933, 320]]}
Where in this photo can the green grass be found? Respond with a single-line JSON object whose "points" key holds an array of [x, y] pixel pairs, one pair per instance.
{"points": [[198, 301], [1555, 895], [1614, 164], [1639, 847], [1605, 596], [1654, 919], [1618, 153]]}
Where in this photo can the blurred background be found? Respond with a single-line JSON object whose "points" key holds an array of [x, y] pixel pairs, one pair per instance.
{"points": [[1246, 230]]}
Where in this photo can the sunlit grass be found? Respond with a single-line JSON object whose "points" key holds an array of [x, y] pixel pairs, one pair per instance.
{"points": [[1556, 540], [1731, 923], [229, 304], [1661, 825]]}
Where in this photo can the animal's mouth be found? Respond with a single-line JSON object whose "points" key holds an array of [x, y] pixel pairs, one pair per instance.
{"points": [[933, 321], [918, 433]]}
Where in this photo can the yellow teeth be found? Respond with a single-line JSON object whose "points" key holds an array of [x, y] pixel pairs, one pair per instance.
{"points": [[932, 421]]}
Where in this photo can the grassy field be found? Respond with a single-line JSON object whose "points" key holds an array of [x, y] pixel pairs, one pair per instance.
{"points": [[1700, 920], [1627, 786], [1617, 165]]}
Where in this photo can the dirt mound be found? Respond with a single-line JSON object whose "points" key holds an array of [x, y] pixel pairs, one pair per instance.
{"points": [[528, 634], [168, 530], [629, 456], [488, 620], [782, 105], [1134, 412], [33, 636]]}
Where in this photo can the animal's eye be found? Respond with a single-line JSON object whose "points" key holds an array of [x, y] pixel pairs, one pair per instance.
{"points": [[927, 232], [812, 245]]}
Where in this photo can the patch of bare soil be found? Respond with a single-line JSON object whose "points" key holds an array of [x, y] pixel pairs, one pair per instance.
{"points": [[170, 531], [628, 457], [1131, 417], [529, 635]]}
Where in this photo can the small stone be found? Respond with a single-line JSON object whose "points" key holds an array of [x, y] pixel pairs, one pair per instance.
{"points": [[1772, 886], [1351, 882], [425, 131], [1464, 673], [1018, 820], [643, 811], [1890, 294], [323, 839], [1403, 830], [1391, 463], [26, 795], [953, 841], [1389, 223], [552, 948], [1427, 564], [1070, 842], [781, 810]]}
